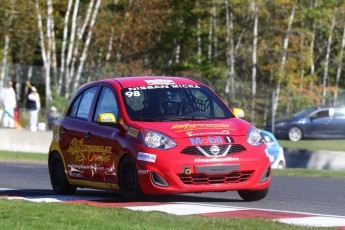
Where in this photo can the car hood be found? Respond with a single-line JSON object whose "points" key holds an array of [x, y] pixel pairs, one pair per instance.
{"points": [[288, 119], [182, 129]]}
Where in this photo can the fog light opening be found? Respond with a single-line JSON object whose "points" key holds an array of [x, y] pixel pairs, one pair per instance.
{"points": [[266, 175], [158, 180]]}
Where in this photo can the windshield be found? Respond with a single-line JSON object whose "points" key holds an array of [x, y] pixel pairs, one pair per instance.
{"points": [[303, 113], [173, 103]]}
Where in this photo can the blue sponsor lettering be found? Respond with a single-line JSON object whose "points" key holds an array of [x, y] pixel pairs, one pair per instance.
{"points": [[206, 140]]}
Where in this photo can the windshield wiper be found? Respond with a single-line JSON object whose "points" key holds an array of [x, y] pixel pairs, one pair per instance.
{"points": [[144, 119], [189, 118]]}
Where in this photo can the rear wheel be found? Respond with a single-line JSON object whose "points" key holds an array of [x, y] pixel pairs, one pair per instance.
{"points": [[128, 178], [295, 133], [253, 195], [58, 177]]}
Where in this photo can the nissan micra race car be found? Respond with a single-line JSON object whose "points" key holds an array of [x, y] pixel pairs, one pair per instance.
{"points": [[156, 135]]}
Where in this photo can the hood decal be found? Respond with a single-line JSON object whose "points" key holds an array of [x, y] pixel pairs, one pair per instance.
{"points": [[202, 129]]}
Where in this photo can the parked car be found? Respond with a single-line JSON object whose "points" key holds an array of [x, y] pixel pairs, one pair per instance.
{"points": [[156, 135], [275, 150], [324, 122]]}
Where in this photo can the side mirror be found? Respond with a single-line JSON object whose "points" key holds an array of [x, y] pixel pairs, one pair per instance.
{"points": [[238, 112], [106, 119]]}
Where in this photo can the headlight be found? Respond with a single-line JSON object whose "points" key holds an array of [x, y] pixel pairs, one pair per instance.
{"points": [[254, 136], [280, 124], [157, 140]]}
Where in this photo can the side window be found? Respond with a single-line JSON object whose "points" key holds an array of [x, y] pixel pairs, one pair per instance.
{"points": [[322, 114], [81, 107], [106, 103]]}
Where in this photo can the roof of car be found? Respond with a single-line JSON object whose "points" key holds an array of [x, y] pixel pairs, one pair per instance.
{"points": [[126, 82]]}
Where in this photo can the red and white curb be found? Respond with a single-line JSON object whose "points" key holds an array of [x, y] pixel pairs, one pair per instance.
{"points": [[179, 208]]}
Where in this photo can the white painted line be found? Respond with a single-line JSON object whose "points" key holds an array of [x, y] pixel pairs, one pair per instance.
{"points": [[316, 221], [48, 200], [56, 198], [183, 209]]}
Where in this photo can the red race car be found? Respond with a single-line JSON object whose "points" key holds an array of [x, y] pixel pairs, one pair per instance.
{"points": [[156, 135]]}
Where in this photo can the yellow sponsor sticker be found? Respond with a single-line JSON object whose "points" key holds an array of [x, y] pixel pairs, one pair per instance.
{"points": [[133, 132]]}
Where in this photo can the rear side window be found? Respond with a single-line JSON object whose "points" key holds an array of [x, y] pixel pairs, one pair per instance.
{"points": [[82, 106]]}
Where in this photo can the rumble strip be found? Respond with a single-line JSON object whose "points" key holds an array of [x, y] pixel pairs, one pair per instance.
{"points": [[180, 208]]}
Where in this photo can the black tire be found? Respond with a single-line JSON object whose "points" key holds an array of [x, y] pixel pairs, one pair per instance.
{"points": [[253, 195], [295, 133], [58, 177], [128, 179]]}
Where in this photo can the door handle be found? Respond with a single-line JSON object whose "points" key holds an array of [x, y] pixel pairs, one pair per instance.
{"points": [[88, 135]]}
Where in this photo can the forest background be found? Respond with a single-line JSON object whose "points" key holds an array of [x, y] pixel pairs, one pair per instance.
{"points": [[268, 57]]}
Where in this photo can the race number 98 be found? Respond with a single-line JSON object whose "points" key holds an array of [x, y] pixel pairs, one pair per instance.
{"points": [[132, 94]]}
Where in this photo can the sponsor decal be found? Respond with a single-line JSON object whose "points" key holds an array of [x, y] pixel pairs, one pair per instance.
{"points": [[193, 127], [143, 172], [90, 167], [146, 157], [159, 82], [75, 175], [213, 160], [133, 132], [206, 140], [220, 132], [229, 140], [135, 91], [91, 153]]}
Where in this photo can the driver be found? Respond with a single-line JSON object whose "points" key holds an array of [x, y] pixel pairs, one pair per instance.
{"points": [[170, 104]]}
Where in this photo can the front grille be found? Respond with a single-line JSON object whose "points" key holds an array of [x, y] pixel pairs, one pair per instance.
{"points": [[193, 150], [202, 179]]}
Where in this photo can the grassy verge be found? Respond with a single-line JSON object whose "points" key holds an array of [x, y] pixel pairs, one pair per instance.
{"points": [[330, 145], [65, 216], [308, 173], [21, 156]]}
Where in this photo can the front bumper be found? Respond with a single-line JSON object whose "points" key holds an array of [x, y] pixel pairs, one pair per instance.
{"points": [[172, 177]]}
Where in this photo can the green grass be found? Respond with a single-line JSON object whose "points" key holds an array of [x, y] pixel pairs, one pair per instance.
{"points": [[330, 145], [297, 172], [15, 214], [22, 156]]}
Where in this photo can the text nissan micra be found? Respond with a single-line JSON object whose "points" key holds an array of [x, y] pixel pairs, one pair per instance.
{"points": [[156, 135]]}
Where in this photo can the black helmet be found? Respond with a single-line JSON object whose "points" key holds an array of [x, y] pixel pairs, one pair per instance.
{"points": [[170, 103]]}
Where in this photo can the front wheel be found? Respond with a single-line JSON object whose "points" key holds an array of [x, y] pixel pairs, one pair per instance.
{"points": [[295, 133], [253, 195], [128, 178], [58, 177]]}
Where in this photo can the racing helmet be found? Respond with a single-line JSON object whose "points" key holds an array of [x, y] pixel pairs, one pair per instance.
{"points": [[170, 103]]}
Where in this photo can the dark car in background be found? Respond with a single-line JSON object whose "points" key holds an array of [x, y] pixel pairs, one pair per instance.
{"points": [[323, 122]]}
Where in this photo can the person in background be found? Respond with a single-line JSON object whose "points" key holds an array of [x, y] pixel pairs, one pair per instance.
{"points": [[33, 105], [9, 103], [52, 116]]}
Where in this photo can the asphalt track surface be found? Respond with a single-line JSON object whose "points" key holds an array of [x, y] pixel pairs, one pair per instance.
{"points": [[301, 195]]}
